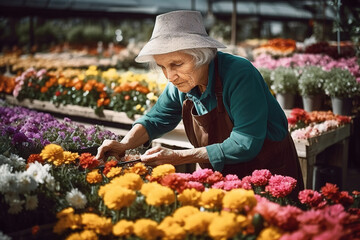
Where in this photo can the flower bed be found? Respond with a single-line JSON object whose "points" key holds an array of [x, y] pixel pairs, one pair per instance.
{"points": [[87, 200], [128, 92]]}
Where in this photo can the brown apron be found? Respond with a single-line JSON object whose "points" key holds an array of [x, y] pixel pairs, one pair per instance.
{"points": [[279, 157]]}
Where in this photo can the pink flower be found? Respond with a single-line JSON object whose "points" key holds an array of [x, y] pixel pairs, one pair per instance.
{"points": [[282, 217], [218, 185], [186, 176], [280, 186], [231, 177], [345, 199], [246, 183], [310, 197], [202, 174], [196, 185], [260, 177], [229, 185]]}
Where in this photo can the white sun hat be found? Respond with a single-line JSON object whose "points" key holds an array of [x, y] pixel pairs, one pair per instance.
{"points": [[174, 31]]}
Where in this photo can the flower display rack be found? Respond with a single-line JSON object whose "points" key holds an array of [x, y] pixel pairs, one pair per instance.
{"points": [[309, 149]]}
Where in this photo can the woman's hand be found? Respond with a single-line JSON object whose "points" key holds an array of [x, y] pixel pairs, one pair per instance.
{"points": [[160, 155], [110, 148]]}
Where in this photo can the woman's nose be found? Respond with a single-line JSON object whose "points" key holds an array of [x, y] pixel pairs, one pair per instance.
{"points": [[170, 74]]}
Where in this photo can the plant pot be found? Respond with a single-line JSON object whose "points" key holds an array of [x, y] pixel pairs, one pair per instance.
{"points": [[286, 100], [341, 106], [312, 102]]}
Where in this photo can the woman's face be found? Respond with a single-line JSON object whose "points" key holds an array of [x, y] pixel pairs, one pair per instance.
{"points": [[179, 68]]}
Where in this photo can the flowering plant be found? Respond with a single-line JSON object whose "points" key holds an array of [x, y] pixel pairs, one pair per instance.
{"points": [[341, 83], [285, 80], [303, 124], [24, 131], [311, 81]]}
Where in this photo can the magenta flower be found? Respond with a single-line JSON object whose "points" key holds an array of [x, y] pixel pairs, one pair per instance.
{"points": [[280, 186], [260, 177], [231, 177]]}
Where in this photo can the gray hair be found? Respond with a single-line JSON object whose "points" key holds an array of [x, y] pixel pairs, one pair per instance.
{"points": [[201, 56]]}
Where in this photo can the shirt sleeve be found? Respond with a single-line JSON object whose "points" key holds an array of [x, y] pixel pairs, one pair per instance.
{"points": [[165, 115], [245, 101]]}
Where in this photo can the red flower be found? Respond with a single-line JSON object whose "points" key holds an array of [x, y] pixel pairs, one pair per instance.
{"points": [[174, 182], [108, 165], [88, 161], [57, 93], [292, 120], [35, 158], [215, 177], [345, 199], [330, 191]]}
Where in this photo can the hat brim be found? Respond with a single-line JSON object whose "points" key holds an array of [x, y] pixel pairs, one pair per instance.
{"points": [[175, 42]]}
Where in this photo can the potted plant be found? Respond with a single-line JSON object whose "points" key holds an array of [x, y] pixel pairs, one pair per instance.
{"points": [[311, 89], [266, 74], [285, 86], [342, 87]]}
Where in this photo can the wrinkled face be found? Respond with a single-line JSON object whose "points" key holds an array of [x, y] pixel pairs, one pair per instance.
{"points": [[179, 68]]}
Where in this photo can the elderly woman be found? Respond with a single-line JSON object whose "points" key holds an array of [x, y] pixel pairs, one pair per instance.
{"points": [[230, 117]]}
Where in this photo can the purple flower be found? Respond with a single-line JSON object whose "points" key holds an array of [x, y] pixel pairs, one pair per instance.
{"points": [[76, 139], [19, 138]]}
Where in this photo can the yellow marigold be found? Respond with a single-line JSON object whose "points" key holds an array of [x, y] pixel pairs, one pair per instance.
{"points": [[119, 197], [243, 221], [70, 157], [138, 168], [53, 153], [84, 235], [160, 195], [197, 223], [238, 199], [212, 198], [129, 180], [67, 220], [101, 225], [272, 233], [146, 188], [146, 229], [123, 228], [224, 226], [171, 230], [162, 170], [114, 171], [189, 197], [94, 177], [182, 213], [65, 212]]}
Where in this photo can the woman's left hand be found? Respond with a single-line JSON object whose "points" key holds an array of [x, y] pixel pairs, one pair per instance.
{"points": [[159, 155]]}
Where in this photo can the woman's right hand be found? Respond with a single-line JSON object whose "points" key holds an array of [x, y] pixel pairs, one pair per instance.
{"points": [[110, 148]]}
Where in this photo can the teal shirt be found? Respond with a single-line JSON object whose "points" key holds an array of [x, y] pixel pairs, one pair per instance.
{"points": [[255, 113]]}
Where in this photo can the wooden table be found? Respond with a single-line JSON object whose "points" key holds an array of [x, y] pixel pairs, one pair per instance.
{"points": [[309, 149]]}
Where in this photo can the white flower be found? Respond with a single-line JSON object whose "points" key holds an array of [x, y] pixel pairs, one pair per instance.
{"points": [[31, 202], [8, 180], [15, 203], [26, 183], [17, 161], [40, 172], [4, 237], [76, 199]]}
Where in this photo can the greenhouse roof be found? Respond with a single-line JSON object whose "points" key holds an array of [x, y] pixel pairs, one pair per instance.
{"points": [[278, 9]]}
